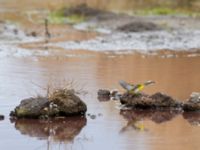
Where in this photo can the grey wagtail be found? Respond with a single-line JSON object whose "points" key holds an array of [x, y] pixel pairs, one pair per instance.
{"points": [[135, 88]]}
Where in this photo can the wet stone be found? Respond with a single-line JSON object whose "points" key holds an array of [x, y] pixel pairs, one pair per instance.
{"points": [[31, 107], [61, 103], [66, 103], [164, 100], [103, 95], [193, 103], [155, 101], [32, 33], [103, 92], [103, 98], [93, 116], [1, 117], [15, 31]]}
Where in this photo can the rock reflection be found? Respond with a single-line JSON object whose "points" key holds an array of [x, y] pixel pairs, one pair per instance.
{"points": [[134, 117], [103, 98], [58, 130], [192, 117]]}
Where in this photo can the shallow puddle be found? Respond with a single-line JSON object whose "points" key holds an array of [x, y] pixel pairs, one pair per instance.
{"points": [[105, 126]]}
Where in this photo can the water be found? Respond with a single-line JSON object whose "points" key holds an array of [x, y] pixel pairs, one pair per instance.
{"points": [[110, 128], [26, 73]]}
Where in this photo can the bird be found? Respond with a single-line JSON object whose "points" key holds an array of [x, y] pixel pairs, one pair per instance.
{"points": [[135, 88]]}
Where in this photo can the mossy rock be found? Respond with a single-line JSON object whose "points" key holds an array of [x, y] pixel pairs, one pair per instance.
{"points": [[31, 107], [60, 103]]}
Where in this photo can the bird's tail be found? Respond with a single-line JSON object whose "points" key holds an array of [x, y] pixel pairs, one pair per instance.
{"points": [[150, 82]]}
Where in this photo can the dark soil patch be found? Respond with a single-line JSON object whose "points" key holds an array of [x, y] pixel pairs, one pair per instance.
{"points": [[82, 9], [138, 26]]}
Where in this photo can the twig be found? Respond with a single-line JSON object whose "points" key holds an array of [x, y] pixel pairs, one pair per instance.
{"points": [[47, 33]]}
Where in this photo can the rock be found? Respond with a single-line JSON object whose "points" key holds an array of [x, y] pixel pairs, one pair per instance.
{"points": [[31, 108], [138, 26], [67, 103], [134, 100], [15, 31], [115, 95], [155, 101], [114, 92], [106, 95], [103, 95], [193, 103], [93, 116], [103, 92], [1, 117], [163, 100], [60, 103], [194, 98], [32, 33]]}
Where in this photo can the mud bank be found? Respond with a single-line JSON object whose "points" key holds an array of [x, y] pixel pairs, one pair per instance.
{"points": [[135, 33], [143, 42], [29, 41], [103, 31], [11, 36]]}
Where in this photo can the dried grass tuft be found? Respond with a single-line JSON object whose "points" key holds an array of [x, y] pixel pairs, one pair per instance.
{"points": [[61, 89], [61, 94]]}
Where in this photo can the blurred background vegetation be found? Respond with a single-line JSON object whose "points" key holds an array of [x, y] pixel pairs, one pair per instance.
{"points": [[34, 10]]}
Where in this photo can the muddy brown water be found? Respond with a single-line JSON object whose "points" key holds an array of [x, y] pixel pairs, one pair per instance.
{"points": [[105, 125]]}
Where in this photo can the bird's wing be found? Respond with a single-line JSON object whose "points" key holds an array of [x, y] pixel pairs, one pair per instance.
{"points": [[126, 85]]}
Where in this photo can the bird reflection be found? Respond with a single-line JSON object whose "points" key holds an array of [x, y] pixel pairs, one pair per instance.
{"points": [[137, 125], [58, 130], [135, 118]]}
